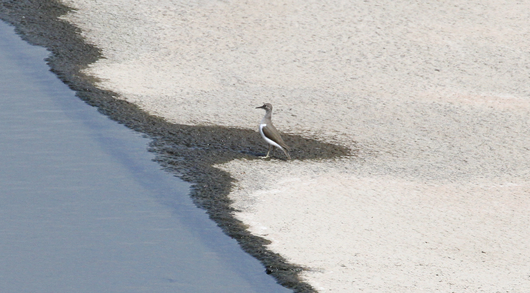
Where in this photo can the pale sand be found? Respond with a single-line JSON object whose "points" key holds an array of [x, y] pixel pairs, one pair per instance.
{"points": [[432, 95]]}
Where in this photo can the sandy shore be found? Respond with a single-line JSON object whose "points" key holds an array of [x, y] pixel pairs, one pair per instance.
{"points": [[431, 97]]}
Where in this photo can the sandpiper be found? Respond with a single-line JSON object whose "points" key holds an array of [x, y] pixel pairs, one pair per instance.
{"points": [[270, 134]]}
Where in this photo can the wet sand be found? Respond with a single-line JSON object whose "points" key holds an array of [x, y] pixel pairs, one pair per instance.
{"points": [[421, 108]]}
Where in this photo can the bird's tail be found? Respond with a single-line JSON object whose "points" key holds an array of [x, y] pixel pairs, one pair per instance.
{"points": [[286, 153]]}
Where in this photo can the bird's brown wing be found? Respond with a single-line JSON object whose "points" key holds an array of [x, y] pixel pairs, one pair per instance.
{"points": [[270, 131]]}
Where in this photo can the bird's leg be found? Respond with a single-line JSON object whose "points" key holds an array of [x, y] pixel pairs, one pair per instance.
{"points": [[268, 153]]}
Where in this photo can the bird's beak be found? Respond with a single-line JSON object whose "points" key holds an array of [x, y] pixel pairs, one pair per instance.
{"points": [[262, 107]]}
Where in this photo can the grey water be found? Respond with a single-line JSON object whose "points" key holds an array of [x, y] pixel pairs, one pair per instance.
{"points": [[83, 208]]}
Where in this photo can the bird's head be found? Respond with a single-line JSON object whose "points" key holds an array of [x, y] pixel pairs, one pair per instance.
{"points": [[266, 106]]}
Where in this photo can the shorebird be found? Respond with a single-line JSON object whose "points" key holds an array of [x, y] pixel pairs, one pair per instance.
{"points": [[270, 134]]}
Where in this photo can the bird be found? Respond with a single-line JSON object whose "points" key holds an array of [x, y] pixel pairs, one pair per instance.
{"points": [[270, 134]]}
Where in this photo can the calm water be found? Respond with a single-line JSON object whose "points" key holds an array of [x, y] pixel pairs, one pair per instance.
{"points": [[84, 209]]}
